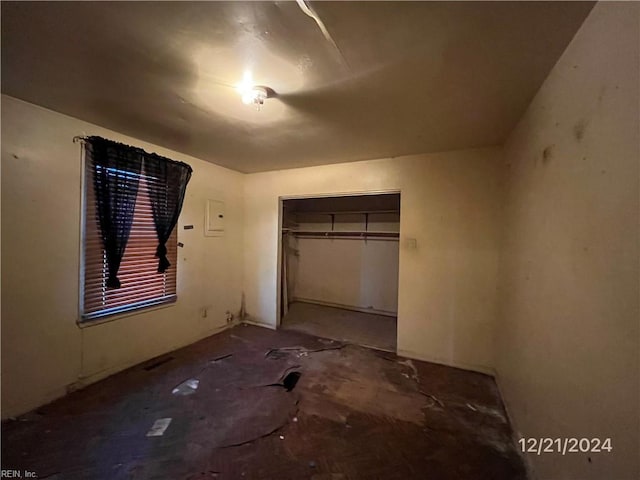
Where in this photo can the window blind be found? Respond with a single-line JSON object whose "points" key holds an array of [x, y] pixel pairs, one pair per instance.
{"points": [[141, 284]]}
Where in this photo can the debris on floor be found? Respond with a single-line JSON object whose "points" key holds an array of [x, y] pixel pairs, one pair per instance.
{"points": [[432, 397], [187, 387], [282, 352], [158, 428], [414, 371], [219, 359], [276, 354]]}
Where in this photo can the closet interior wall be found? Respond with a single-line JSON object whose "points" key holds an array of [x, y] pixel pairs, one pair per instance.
{"points": [[345, 257]]}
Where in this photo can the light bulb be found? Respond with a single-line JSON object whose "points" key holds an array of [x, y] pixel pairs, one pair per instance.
{"points": [[250, 93], [246, 84]]}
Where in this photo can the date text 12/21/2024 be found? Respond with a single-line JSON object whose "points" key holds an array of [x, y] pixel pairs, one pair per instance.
{"points": [[565, 445]]}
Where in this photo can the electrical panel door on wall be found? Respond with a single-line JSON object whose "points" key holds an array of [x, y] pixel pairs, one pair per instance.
{"points": [[214, 219]]}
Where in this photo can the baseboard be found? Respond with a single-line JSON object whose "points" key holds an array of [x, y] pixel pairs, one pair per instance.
{"points": [[447, 363], [345, 307], [255, 323]]}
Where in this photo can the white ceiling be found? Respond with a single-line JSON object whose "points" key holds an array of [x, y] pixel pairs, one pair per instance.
{"points": [[400, 77]]}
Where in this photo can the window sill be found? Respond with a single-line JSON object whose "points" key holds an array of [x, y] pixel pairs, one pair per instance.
{"points": [[99, 319]]}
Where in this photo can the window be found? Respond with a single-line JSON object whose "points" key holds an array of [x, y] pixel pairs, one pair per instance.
{"points": [[141, 284]]}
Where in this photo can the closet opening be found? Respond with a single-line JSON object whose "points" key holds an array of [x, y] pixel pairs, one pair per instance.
{"points": [[338, 271]]}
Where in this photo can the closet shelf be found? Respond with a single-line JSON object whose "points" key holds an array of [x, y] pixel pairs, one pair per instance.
{"points": [[330, 234], [347, 212]]}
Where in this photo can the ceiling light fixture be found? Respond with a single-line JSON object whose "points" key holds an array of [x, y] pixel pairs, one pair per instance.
{"points": [[250, 93], [256, 96]]}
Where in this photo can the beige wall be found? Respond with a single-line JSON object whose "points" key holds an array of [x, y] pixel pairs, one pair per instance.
{"points": [[447, 285], [567, 343], [43, 350]]}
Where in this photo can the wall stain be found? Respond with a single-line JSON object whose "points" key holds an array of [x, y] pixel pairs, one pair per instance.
{"points": [[603, 91], [579, 129], [547, 153]]}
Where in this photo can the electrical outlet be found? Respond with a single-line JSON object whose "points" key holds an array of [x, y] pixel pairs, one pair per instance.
{"points": [[204, 312], [229, 316]]}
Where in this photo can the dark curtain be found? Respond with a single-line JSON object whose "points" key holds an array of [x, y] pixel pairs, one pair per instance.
{"points": [[167, 182], [116, 175]]}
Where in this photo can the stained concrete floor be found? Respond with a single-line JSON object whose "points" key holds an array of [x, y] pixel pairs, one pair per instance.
{"points": [[367, 329], [354, 413]]}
